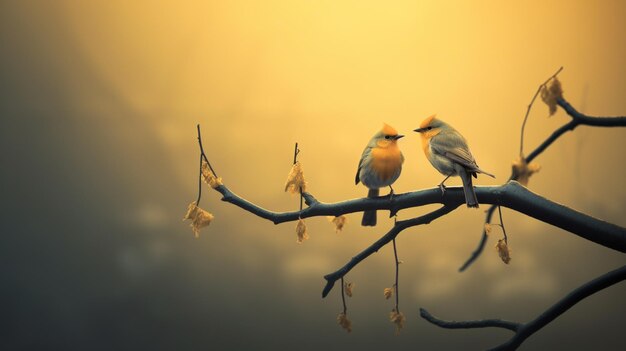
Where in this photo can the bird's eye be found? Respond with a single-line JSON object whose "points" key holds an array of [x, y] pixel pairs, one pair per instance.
{"points": [[429, 128], [387, 136]]}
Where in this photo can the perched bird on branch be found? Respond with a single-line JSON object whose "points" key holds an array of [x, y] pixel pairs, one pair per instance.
{"points": [[380, 166], [447, 151]]}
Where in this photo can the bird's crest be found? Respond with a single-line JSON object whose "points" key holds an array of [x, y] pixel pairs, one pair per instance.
{"points": [[427, 121], [389, 130]]}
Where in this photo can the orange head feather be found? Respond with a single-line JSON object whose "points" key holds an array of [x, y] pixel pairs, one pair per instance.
{"points": [[427, 121], [389, 130]]}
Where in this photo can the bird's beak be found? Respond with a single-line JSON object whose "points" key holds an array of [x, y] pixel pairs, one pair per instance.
{"points": [[398, 137], [419, 130]]}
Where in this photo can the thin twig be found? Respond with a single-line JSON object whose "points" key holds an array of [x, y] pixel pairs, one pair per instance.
{"points": [[343, 298], [395, 254], [296, 152], [483, 240], [506, 240], [530, 105], [199, 182], [203, 155]]}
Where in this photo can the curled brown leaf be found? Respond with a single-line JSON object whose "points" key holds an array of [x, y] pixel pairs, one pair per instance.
{"points": [[209, 177], [199, 218], [522, 171], [344, 322], [388, 292], [301, 231], [339, 222], [348, 288], [398, 319], [295, 180], [504, 251], [551, 93]]}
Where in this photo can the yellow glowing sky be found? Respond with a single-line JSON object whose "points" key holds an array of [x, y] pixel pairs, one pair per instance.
{"points": [[261, 75], [328, 73]]}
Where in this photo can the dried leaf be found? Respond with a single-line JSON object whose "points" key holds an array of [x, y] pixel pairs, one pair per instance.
{"points": [[209, 177], [191, 211], [348, 288], [398, 319], [388, 292], [301, 231], [339, 222], [522, 170], [550, 94], [504, 251], [295, 180], [344, 322], [487, 228], [199, 218]]}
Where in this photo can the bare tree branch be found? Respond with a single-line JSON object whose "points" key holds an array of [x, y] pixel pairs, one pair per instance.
{"points": [[511, 195], [524, 331], [577, 120], [384, 240], [482, 323], [583, 119]]}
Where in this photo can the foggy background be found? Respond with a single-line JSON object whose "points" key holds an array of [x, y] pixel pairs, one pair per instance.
{"points": [[98, 106]]}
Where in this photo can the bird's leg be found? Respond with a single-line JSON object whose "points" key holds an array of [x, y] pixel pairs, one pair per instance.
{"points": [[443, 187], [390, 193]]}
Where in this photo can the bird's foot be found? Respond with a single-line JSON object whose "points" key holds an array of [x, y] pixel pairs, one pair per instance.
{"points": [[442, 188]]}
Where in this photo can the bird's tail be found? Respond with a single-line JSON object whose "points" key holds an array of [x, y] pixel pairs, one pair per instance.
{"points": [[369, 217], [468, 189]]}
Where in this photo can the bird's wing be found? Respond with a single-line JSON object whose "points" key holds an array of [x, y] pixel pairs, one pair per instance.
{"points": [[364, 155], [454, 147]]}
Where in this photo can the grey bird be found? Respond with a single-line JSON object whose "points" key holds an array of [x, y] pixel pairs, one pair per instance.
{"points": [[447, 151]]}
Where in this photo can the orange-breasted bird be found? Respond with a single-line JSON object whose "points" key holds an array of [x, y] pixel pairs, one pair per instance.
{"points": [[447, 151], [380, 166]]}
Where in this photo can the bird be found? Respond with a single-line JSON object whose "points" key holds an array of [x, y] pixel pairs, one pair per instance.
{"points": [[380, 166], [447, 151]]}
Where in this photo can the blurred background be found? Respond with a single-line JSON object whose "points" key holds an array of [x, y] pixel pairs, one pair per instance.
{"points": [[99, 103]]}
